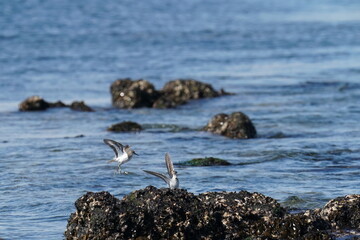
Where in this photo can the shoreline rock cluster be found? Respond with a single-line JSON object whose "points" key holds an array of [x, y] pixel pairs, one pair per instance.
{"points": [[153, 213], [236, 125], [127, 93], [36, 103]]}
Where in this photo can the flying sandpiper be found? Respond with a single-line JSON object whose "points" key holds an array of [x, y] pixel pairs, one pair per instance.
{"points": [[172, 180]]}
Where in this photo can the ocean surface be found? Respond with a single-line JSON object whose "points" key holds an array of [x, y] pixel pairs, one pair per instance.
{"points": [[294, 66]]}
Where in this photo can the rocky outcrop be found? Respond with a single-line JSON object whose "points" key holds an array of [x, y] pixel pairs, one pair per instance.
{"points": [[343, 212], [127, 93], [127, 126], [36, 103], [207, 161], [180, 91], [235, 125], [153, 213], [80, 106]]}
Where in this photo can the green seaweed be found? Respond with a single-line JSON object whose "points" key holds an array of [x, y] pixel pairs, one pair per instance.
{"points": [[127, 126], [207, 161]]}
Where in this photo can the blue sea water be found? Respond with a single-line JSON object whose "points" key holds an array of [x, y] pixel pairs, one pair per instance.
{"points": [[294, 66]]}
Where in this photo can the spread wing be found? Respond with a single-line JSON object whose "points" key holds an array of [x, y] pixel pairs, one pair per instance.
{"points": [[116, 146], [169, 165], [166, 179]]}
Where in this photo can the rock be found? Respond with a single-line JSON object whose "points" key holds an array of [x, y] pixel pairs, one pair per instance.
{"points": [[306, 225], [178, 92], [207, 161], [235, 125], [343, 212], [80, 106], [127, 93], [153, 213], [95, 218], [57, 104], [125, 127], [34, 103]]}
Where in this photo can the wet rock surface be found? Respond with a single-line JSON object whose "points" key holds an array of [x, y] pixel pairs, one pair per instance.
{"points": [[126, 126], [207, 161], [235, 125], [153, 213], [127, 93], [343, 212], [36, 103], [80, 106], [180, 91]]}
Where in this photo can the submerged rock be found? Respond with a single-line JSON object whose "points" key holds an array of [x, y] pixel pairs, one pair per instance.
{"points": [[80, 106], [127, 126], [207, 161], [153, 213], [127, 93], [235, 125], [34, 103]]}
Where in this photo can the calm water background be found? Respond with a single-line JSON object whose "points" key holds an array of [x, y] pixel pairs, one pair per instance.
{"points": [[293, 64]]}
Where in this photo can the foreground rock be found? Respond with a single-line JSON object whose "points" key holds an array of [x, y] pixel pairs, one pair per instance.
{"points": [[127, 93], [36, 103], [207, 161], [127, 126], [153, 213], [343, 212], [235, 125]]}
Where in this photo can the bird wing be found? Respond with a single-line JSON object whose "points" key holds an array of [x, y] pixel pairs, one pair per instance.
{"points": [[163, 177], [169, 165], [116, 146]]}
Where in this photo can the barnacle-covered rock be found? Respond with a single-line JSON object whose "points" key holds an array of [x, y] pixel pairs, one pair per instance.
{"points": [[235, 125], [127, 93], [34, 103], [96, 217], [180, 91], [126, 126], [343, 212], [153, 213], [80, 106]]}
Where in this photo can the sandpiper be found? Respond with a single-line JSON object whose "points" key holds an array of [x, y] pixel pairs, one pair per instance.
{"points": [[172, 181], [123, 153]]}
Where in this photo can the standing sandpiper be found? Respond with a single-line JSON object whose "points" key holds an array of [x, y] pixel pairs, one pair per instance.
{"points": [[172, 181], [123, 153]]}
